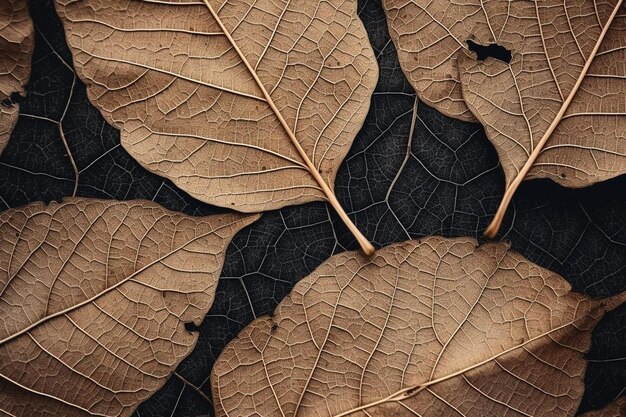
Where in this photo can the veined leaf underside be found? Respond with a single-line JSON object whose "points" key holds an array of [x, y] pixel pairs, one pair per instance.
{"points": [[556, 110], [248, 105], [431, 327]]}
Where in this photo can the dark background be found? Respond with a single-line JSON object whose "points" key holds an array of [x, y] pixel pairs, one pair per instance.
{"points": [[445, 180]]}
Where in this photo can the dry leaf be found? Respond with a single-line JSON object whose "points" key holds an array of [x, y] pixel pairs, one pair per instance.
{"points": [[438, 327], [93, 300], [556, 111], [616, 409], [16, 46], [428, 36], [251, 104]]}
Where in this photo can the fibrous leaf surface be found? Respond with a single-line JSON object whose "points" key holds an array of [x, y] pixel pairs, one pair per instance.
{"points": [[449, 185], [247, 104], [94, 297], [430, 328], [16, 44], [557, 110]]}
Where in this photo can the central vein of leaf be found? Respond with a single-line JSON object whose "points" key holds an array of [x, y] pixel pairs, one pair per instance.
{"points": [[413, 390], [111, 288], [494, 227], [366, 246]]}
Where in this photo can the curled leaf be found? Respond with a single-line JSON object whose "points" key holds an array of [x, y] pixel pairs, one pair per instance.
{"points": [[250, 105], [16, 46], [94, 296], [435, 327]]}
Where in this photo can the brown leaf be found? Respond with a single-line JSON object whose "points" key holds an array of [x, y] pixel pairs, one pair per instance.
{"points": [[437, 327], [93, 300], [16, 44], [616, 409], [428, 36], [250, 105], [556, 111]]}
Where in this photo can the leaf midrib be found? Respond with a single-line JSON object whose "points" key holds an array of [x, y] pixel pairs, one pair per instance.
{"points": [[512, 187], [366, 246], [267, 96], [402, 394], [116, 285]]}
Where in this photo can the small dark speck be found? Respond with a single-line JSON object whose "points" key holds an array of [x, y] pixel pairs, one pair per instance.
{"points": [[191, 327]]}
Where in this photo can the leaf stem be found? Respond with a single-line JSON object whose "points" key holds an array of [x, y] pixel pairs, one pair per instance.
{"points": [[494, 227], [612, 303], [367, 248]]}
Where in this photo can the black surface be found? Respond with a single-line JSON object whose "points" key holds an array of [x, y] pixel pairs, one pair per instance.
{"points": [[445, 180], [492, 50]]}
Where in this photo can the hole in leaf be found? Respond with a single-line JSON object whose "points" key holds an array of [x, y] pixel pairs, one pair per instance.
{"points": [[492, 50], [14, 98], [191, 327]]}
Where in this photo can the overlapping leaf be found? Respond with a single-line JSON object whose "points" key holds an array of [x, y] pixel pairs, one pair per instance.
{"points": [[447, 186], [94, 296], [251, 105], [16, 48], [557, 110], [433, 327]]}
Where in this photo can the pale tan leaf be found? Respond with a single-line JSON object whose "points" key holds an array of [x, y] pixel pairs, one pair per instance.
{"points": [[428, 34], [249, 104], [16, 49], [557, 110], [94, 296], [616, 409], [430, 328]]}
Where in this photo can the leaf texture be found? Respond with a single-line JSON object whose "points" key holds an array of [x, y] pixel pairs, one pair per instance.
{"points": [[519, 103], [94, 296], [428, 36], [450, 185], [16, 44], [430, 328], [174, 79]]}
